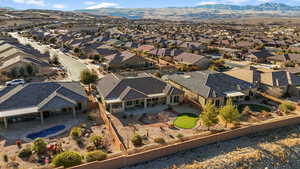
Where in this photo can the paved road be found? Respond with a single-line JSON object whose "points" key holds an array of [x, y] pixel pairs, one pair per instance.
{"points": [[73, 66]]}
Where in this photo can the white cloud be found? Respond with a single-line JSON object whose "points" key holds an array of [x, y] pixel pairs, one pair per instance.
{"points": [[59, 6], [90, 3], [207, 3], [239, 2], [104, 5], [31, 2]]}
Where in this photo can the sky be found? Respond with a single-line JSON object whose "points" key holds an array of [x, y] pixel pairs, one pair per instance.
{"points": [[93, 4]]}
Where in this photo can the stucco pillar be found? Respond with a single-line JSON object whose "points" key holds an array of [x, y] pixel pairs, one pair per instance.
{"points": [[74, 112], [5, 122], [123, 106], [42, 117], [145, 103]]}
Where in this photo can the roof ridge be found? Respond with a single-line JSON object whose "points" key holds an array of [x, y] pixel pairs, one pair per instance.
{"points": [[47, 99], [11, 93]]}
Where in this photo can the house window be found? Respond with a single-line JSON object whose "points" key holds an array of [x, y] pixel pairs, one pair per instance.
{"points": [[129, 103], [137, 102], [217, 103], [176, 99]]}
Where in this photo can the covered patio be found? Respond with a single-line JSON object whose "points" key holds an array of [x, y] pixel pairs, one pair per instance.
{"points": [[52, 108]]}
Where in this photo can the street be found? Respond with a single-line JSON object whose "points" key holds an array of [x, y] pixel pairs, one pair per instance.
{"points": [[73, 66]]}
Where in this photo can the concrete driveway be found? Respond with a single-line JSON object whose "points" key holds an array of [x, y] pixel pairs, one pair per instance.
{"points": [[73, 66]]}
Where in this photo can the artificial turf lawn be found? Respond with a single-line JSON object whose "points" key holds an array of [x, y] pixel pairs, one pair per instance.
{"points": [[186, 121]]}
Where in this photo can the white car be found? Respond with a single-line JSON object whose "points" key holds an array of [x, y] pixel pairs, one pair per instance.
{"points": [[15, 82]]}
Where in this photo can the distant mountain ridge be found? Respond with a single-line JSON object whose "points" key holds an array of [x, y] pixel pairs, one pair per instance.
{"points": [[214, 11], [6, 8], [262, 7]]}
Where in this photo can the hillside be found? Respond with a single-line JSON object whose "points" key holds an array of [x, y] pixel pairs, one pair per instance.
{"points": [[276, 149], [201, 12]]}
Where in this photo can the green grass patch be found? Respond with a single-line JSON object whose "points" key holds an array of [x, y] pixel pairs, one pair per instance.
{"points": [[186, 121], [254, 108]]}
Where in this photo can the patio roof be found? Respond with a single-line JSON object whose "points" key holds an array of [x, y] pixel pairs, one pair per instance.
{"points": [[18, 112], [234, 94]]}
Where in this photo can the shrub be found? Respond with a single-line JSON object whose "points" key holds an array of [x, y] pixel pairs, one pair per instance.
{"points": [[75, 132], [97, 155], [96, 140], [25, 153], [180, 136], [286, 107], [39, 146], [67, 159], [137, 140], [159, 140]]}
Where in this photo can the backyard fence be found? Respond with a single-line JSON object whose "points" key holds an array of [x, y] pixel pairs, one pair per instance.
{"points": [[143, 156], [111, 127]]}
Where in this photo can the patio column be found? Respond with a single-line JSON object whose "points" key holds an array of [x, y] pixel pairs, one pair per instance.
{"points": [[145, 103], [74, 112], [42, 117], [5, 122], [123, 106]]}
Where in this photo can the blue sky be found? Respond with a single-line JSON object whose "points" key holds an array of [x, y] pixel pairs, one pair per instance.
{"points": [[90, 4]]}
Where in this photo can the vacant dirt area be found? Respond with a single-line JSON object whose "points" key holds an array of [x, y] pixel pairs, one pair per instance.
{"points": [[276, 149]]}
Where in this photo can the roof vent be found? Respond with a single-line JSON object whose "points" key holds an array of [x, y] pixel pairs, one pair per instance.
{"points": [[238, 87]]}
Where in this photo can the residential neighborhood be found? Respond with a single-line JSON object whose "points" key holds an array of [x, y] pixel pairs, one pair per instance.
{"points": [[80, 90]]}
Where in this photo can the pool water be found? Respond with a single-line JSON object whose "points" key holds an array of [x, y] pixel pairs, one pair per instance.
{"points": [[46, 132]]}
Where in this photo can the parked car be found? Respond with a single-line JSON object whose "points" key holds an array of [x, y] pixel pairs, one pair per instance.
{"points": [[15, 82]]}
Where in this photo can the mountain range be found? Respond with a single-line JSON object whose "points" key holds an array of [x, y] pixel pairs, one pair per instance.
{"points": [[201, 12]]}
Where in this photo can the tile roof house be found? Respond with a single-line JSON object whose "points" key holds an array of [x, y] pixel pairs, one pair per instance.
{"points": [[282, 80], [124, 93], [195, 61], [204, 86], [125, 59], [258, 56], [42, 98], [162, 52], [145, 48], [15, 56], [284, 58]]}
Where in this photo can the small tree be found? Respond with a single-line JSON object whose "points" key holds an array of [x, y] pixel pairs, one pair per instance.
{"points": [[229, 113], [29, 69], [53, 40], [209, 115], [87, 77], [39, 146], [22, 72]]}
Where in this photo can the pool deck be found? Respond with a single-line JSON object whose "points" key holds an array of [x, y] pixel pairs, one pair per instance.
{"points": [[18, 131]]}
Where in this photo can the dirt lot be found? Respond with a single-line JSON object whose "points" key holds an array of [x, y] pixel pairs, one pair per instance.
{"points": [[275, 149]]}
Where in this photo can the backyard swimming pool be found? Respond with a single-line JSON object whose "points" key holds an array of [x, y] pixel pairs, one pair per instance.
{"points": [[46, 132]]}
